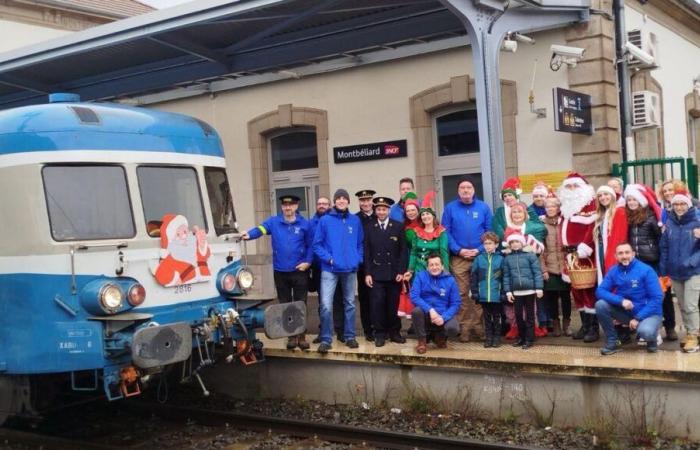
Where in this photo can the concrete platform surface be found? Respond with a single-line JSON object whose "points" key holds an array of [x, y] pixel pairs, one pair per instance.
{"points": [[632, 363]]}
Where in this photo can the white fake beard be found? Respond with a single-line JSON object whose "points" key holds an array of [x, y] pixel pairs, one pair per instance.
{"points": [[573, 200], [184, 249]]}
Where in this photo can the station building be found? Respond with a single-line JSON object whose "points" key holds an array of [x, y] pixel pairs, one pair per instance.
{"points": [[367, 118]]}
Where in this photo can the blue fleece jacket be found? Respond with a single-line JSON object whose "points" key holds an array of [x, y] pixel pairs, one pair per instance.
{"points": [[396, 212], [680, 251], [314, 225], [291, 241], [636, 282], [439, 293], [338, 241], [466, 223]]}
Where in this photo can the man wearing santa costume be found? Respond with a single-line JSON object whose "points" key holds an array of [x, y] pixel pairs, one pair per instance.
{"points": [[578, 210], [184, 254]]}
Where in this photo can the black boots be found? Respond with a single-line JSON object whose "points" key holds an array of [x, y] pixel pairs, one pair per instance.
{"points": [[583, 330], [592, 330]]}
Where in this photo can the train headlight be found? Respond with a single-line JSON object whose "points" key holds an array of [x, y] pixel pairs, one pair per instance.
{"points": [[245, 278], [111, 298], [228, 282], [136, 294]]}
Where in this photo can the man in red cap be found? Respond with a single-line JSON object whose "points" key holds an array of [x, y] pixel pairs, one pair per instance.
{"points": [[578, 210]]}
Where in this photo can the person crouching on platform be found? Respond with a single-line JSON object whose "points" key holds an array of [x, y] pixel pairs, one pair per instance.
{"points": [[292, 238], [436, 296], [630, 293], [522, 282], [384, 265], [486, 287]]}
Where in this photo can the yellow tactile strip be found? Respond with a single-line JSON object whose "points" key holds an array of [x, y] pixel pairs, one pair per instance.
{"points": [[632, 363]]}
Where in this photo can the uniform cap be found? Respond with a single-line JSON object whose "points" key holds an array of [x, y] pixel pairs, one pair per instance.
{"points": [[383, 201], [293, 199], [365, 193]]}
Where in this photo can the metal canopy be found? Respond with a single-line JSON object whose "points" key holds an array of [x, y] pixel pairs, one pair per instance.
{"points": [[214, 39]]}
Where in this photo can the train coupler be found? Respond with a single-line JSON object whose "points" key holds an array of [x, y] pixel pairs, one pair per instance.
{"points": [[129, 384]]}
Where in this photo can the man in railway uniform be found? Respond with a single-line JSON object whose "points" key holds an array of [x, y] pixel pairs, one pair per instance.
{"points": [[366, 215], [384, 265], [578, 211], [184, 254], [338, 244], [630, 293], [292, 238]]}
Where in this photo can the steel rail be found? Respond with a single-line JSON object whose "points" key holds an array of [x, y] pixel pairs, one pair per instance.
{"points": [[323, 431]]}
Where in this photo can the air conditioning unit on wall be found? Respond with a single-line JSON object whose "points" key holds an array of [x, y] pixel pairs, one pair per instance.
{"points": [[648, 43], [646, 109]]}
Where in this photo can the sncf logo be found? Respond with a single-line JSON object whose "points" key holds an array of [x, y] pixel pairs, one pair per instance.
{"points": [[391, 149]]}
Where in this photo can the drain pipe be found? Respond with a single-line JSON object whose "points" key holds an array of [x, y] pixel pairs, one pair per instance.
{"points": [[623, 81]]}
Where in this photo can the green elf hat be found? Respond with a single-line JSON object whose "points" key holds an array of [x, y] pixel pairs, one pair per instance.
{"points": [[427, 204], [511, 186]]}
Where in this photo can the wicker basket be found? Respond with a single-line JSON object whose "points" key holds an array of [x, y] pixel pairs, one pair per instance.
{"points": [[581, 277]]}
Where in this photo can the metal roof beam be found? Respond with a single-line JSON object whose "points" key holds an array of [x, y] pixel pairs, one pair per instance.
{"points": [[189, 47], [358, 23], [24, 83], [322, 5]]}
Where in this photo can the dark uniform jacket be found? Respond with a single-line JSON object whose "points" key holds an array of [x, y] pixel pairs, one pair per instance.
{"points": [[385, 250]]}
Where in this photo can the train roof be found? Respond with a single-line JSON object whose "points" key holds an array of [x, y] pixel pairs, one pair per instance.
{"points": [[67, 125]]}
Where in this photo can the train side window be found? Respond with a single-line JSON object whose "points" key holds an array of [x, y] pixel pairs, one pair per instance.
{"points": [[170, 190], [220, 200], [88, 202]]}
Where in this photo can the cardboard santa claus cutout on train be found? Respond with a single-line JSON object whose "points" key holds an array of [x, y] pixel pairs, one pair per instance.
{"points": [[183, 253]]}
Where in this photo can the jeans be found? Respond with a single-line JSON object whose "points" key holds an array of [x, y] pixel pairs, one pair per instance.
{"points": [[329, 281], [647, 328]]}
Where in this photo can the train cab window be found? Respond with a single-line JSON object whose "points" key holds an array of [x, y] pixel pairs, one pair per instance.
{"points": [[88, 202], [220, 200], [170, 190]]}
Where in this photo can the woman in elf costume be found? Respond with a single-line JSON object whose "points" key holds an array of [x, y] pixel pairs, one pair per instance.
{"points": [[411, 209], [429, 237], [510, 194]]}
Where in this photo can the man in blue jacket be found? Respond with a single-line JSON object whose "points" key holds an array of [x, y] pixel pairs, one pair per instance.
{"points": [[466, 219], [436, 297], [338, 243], [396, 211], [631, 294], [292, 238]]}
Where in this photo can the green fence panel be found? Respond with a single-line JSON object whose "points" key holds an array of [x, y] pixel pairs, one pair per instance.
{"points": [[654, 171]]}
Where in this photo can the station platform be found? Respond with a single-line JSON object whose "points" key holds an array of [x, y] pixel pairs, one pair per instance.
{"points": [[632, 363]]}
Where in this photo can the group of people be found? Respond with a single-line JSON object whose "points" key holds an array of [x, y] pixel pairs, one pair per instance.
{"points": [[480, 275]]}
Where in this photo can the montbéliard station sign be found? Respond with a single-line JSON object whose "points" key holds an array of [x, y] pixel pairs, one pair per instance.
{"points": [[368, 152]]}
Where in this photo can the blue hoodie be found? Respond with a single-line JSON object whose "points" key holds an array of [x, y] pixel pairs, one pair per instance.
{"points": [[439, 293], [680, 251], [338, 241], [396, 212], [291, 241], [638, 283], [466, 223]]}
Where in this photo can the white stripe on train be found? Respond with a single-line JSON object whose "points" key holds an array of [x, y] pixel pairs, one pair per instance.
{"points": [[109, 156]]}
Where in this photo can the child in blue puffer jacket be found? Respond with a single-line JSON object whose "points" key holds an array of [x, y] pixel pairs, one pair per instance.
{"points": [[486, 287], [522, 282]]}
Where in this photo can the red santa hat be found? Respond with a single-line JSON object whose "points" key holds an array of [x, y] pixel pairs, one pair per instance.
{"points": [[171, 222], [682, 196], [646, 198], [540, 188], [511, 186], [574, 178], [515, 236]]}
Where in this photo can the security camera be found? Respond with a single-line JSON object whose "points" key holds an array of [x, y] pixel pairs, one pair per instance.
{"points": [[568, 52], [644, 57], [563, 54]]}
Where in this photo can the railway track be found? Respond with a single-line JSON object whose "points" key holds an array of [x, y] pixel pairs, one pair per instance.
{"points": [[214, 422], [366, 437]]}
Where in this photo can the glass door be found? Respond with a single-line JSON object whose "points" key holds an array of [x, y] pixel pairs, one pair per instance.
{"points": [[300, 191]]}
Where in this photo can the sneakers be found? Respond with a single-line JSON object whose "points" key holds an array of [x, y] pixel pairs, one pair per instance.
{"points": [[652, 348], [302, 344], [691, 344], [323, 348], [292, 342], [352, 343], [610, 350]]}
